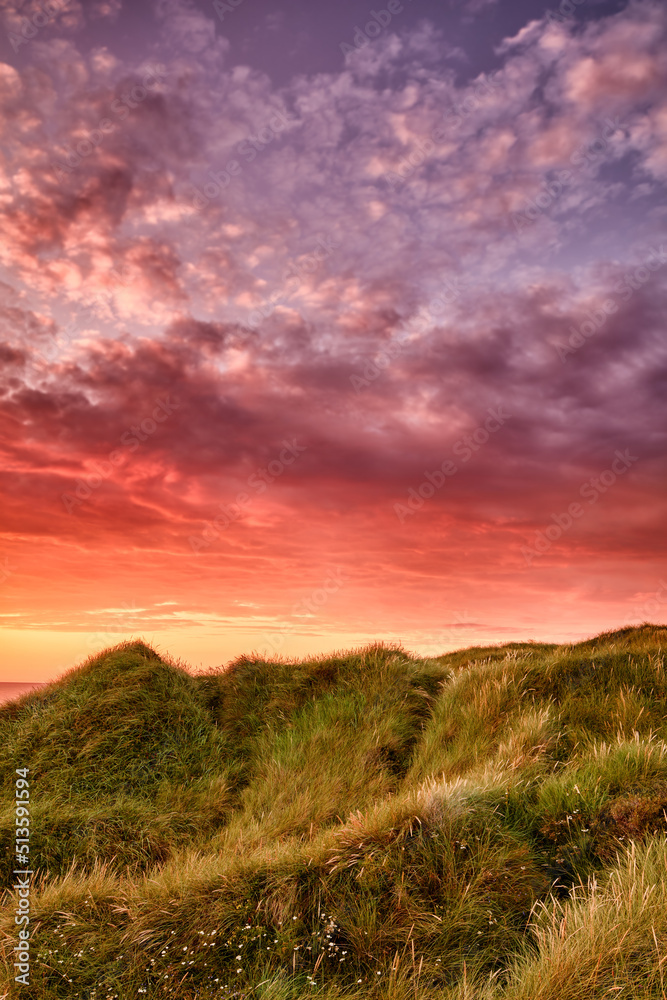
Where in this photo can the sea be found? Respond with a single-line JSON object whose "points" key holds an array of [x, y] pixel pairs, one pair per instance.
{"points": [[14, 689]]}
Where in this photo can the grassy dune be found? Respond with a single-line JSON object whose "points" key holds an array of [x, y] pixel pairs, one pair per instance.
{"points": [[487, 825]]}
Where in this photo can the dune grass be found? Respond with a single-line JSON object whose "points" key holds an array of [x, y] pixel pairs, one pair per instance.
{"points": [[486, 825]]}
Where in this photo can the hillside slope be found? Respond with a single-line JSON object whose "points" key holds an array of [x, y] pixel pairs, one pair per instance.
{"points": [[488, 824]]}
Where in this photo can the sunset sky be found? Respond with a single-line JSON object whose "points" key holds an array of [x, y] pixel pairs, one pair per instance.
{"points": [[322, 323]]}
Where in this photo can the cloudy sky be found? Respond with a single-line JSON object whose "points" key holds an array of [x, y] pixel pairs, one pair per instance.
{"points": [[328, 323]]}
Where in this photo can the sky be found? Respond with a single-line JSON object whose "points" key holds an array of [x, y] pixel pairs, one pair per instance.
{"points": [[328, 324]]}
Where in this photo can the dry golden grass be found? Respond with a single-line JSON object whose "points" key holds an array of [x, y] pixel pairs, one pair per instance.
{"points": [[487, 825]]}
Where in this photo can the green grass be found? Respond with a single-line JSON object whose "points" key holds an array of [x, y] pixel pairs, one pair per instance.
{"points": [[486, 825]]}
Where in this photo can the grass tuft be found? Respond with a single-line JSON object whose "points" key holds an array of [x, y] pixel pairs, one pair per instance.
{"points": [[490, 824]]}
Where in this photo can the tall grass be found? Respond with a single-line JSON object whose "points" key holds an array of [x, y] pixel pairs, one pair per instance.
{"points": [[488, 824]]}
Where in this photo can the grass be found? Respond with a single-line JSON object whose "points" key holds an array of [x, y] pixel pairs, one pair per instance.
{"points": [[486, 825]]}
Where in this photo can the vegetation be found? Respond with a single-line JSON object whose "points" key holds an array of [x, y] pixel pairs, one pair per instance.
{"points": [[487, 825]]}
